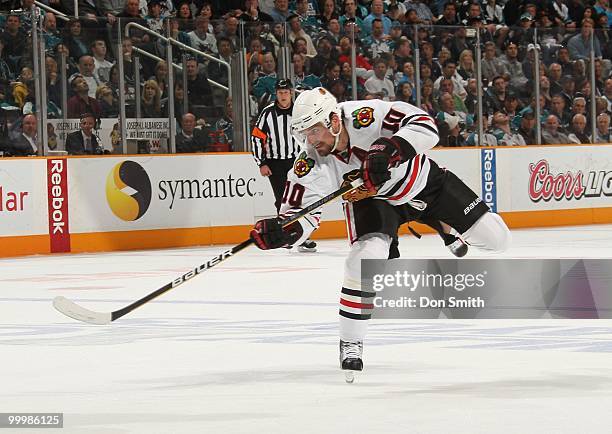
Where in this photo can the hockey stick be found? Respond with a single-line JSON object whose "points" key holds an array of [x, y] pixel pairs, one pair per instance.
{"points": [[73, 310]]}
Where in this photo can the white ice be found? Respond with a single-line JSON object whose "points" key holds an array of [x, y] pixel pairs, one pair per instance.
{"points": [[251, 347]]}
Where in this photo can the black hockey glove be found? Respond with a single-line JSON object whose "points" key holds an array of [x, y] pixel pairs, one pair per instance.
{"points": [[383, 154], [269, 234]]}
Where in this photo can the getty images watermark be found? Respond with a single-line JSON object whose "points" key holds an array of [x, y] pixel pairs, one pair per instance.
{"points": [[489, 288], [412, 282]]}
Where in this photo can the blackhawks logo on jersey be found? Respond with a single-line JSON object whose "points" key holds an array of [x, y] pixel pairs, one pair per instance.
{"points": [[363, 117], [302, 165]]}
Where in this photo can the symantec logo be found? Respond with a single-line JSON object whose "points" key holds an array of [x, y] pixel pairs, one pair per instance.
{"points": [[544, 185], [128, 190]]}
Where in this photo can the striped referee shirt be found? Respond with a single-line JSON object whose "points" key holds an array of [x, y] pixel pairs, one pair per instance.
{"points": [[271, 138]]}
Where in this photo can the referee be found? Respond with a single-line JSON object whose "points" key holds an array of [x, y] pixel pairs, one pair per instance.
{"points": [[274, 148]]}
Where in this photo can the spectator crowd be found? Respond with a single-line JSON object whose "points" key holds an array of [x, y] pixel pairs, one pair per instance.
{"points": [[321, 35]]}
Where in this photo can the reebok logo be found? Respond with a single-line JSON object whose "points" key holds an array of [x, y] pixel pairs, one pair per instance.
{"points": [[57, 193], [489, 178]]}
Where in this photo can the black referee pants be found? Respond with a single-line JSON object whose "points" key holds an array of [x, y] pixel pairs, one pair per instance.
{"points": [[278, 178]]}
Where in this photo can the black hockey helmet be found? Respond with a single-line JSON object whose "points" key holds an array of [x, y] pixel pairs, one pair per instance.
{"points": [[283, 83]]}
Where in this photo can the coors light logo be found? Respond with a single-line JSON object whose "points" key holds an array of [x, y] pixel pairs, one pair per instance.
{"points": [[544, 185]]}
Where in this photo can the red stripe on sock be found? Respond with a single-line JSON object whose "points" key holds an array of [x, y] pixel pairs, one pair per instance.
{"points": [[356, 305]]}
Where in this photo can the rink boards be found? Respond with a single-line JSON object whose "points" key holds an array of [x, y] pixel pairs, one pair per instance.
{"points": [[87, 204]]}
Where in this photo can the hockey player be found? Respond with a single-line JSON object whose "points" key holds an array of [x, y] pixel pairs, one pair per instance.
{"points": [[274, 148], [383, 142]]}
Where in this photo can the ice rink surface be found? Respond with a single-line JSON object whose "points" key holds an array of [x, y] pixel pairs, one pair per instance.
{"points": [[251, 347]]}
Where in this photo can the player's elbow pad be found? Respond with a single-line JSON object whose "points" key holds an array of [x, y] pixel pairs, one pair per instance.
{"points": [[407, 151], [397, 148]]}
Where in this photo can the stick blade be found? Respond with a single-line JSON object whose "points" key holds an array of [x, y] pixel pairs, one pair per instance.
{"points": [[73, 310]]}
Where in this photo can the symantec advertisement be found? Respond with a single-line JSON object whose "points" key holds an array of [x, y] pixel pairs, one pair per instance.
{"points": [[136, 193]]}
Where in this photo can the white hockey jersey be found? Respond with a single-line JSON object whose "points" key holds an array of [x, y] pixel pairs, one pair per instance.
{"points": [[314, 177]]}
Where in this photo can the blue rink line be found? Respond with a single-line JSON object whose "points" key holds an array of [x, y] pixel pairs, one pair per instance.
{"points": [[261, 303], [587, 339], [285, 332], [288, 303]]}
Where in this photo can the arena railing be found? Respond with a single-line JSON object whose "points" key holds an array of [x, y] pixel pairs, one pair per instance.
{"points": [[58, 14], [126, 79], [126, 84]]}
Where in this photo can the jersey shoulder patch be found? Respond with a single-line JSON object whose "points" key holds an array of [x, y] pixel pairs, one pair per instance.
{"points": [[363, 117], [302, 165]]}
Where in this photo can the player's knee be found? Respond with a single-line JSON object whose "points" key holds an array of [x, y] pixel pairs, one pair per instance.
{"points": [[500, 238], [489, 233], [503, 238]]}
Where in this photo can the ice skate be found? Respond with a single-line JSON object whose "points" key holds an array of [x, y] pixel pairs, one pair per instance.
{"points": [[456, 245], [350, 359], [307, 246]]}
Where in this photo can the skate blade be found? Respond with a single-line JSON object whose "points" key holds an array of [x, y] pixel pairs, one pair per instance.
{"points": [[349, 376], [307, 249]]}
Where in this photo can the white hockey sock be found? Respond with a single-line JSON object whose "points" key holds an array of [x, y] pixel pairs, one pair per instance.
{"points": [[355, 311], [356, 305], [352, 330]]}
